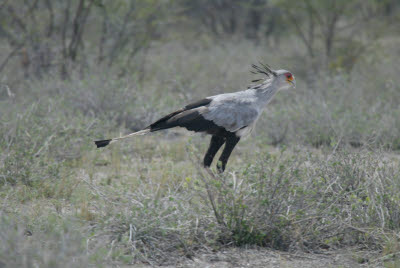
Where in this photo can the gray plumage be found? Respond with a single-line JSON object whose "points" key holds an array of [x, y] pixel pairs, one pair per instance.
{"points": [[235, 111], [227, 117]]}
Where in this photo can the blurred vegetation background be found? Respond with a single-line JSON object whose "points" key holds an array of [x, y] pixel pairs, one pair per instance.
{"points": [[73, 71], [42, 37]]}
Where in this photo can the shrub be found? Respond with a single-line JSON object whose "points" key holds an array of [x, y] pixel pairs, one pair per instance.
{"points": [[303, 200]]}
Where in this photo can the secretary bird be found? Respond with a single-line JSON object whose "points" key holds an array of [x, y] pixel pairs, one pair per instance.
{"points": [[226, 117]]}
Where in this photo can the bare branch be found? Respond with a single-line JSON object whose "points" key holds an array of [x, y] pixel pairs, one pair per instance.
{"points": [[9, 56], [51, 18]]}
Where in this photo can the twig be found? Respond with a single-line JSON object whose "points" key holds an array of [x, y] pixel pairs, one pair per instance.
{"points": [[98, 191], [9, 56], [9, 92], [383, 258], [44, 145], [335, 148], [211, 198], [130, 232]]}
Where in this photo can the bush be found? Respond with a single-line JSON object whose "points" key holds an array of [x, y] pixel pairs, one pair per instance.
{"points": [[299, 199]]}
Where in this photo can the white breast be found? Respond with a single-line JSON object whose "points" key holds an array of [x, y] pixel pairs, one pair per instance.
{"points": [[244, 132]]}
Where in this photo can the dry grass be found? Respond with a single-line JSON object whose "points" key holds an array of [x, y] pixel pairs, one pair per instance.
{"points": [[320, 172]]}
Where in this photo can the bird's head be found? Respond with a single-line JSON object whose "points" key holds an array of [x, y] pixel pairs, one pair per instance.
{"points": [[283, 79]]}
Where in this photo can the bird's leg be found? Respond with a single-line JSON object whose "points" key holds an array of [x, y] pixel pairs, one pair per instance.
{"points": [[231, 142], [215, 144]]}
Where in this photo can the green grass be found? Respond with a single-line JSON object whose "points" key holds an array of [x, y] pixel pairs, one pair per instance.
{"points": [[320, 171]]}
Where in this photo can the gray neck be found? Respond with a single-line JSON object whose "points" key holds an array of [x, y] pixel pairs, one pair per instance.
{"points": [[266, 91]]}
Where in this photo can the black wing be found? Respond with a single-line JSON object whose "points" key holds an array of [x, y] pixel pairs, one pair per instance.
{"points": [[188, 117]]}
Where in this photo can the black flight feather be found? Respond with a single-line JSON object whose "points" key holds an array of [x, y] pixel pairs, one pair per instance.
{"points": [[177, 118]]}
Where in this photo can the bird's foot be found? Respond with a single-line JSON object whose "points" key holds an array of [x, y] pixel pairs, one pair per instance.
{"points": [[220, 167]]}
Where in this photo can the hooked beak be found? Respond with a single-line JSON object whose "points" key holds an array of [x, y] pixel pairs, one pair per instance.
{"points": [[292, 81]]}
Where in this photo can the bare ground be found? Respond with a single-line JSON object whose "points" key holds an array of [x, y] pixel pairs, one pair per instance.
{"points": [[239, 257]]}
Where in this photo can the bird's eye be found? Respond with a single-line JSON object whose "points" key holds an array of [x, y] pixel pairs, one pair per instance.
{"points": [[288, 75]]}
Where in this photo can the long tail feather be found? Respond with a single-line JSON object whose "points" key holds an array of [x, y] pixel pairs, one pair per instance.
{"points": [[104, 143]]}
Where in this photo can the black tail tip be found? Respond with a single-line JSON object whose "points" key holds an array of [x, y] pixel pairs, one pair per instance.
{"points": [[102, 143]]}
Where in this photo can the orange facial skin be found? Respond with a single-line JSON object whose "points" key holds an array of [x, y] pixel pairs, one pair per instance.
{"points": [[289, 77]]}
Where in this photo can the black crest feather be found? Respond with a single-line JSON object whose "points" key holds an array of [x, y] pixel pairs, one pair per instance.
{"points": [[263, 69]]}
